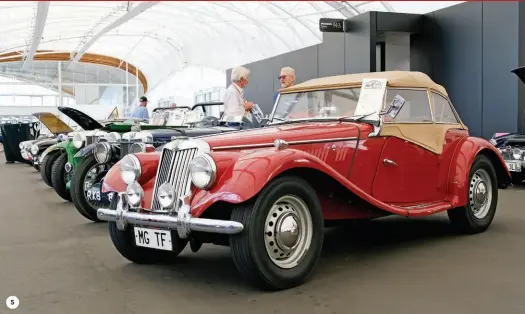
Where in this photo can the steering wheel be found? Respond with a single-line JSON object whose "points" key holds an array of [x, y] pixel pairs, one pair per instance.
{"points": [[208, 121]]}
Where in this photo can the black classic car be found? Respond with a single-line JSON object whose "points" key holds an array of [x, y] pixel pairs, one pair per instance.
{"points": [[203, 119], [512, 145]]}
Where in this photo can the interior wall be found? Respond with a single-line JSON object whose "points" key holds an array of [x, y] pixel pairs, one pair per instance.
{"points": [[397, 52], [476, 45]]}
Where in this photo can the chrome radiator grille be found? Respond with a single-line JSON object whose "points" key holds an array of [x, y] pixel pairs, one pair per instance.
{"points": [[90, 139], [174, 167], [125, 147]]}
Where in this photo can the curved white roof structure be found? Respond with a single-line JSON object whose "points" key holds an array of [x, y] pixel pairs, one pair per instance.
{"points": [[161, 38]]}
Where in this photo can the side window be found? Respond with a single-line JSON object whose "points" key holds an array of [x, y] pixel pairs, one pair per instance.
{"points": [[442, 111], [415, 109]]}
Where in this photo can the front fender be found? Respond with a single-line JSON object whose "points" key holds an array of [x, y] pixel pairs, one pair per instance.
{"points": [[85, 151], [461, 164]]}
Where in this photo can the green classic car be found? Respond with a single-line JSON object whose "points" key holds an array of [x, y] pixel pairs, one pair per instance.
{"points": [[59, 160]]}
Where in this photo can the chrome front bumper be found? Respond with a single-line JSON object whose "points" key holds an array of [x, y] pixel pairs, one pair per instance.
{"points": [[181, 220]]}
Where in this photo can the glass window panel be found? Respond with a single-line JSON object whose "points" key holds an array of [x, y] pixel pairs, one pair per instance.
{"points": [[49, 100], [442, 111], [36, 101], [415, 109]]}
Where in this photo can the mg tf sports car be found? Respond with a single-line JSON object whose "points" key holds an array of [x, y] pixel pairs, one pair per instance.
{"points": [[357, 146], [512, 145]]}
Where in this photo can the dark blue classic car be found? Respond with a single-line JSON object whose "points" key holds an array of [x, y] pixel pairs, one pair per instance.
{"points": [[171, 123]]}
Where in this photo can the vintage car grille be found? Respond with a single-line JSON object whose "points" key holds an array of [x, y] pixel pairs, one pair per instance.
{"points": [[174, 168], [90, 139], [125, 147]]}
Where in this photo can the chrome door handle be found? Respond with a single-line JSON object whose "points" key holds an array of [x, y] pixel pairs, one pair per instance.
{"points": [[389, 162]]}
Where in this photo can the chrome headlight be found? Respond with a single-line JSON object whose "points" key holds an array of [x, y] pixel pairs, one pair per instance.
{"points": [[144, 136], [138, 148], [165, 195], [78, 140], [130, 169], [135, 194], [61, 137], [21, 145], [34, 149], [203, 171], [102, 152], [516, 153]]}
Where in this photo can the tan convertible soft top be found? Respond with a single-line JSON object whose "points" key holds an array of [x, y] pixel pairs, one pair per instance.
{"points": [[395, 79], [430, 136]]}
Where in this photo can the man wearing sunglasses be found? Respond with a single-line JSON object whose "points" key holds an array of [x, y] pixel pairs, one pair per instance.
{"points": [[286, 78]]}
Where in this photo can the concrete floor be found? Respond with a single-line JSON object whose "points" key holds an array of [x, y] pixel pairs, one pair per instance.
{"points": [[55, 261]]}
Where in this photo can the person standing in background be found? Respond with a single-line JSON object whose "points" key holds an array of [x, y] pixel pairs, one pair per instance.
{"points": [[234, 102], [286, 78], [141, 111]]}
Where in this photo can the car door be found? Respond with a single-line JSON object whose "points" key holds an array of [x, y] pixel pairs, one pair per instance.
{"points": [[409, 166]]}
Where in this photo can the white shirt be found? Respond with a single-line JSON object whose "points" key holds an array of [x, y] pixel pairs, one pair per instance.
{"points": [[234, 101]]}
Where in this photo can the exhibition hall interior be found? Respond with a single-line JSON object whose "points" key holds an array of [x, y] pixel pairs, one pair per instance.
{"points": [[323, 157]]}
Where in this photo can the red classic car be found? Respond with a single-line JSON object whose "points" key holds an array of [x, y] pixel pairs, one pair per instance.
{"points": [[356, 146]]}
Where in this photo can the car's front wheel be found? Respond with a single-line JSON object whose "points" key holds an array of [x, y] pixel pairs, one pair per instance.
{"points": [[47, 166], [283, 235], [482, 199], [59, 177], [88, 173]]}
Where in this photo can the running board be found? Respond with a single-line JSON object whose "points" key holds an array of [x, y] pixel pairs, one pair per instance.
{"points": [[424, 209]]}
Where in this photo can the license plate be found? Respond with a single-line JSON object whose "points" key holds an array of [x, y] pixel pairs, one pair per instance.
{"points": [[513, 166], [153, 238]]}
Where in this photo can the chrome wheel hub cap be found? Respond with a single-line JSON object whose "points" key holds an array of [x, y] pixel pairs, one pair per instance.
{"points": [[288, 231], [480, 193]]}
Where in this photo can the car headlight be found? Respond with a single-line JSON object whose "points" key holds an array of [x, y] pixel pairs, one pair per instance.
{"points": [[135, 194], [21, 145], [166, 195], [144, 136], [34, 149], [516, 153], [138, 148], [102, 152], [203, 171], [78, 140], [130, 169]]}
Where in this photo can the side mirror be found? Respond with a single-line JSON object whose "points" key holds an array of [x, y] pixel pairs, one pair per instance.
{"points": [[394, 108]]}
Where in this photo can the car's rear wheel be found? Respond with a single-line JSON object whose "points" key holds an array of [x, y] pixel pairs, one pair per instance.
{"points": [[124, 242], [59, 177], [482, 199], [283, 235], [47, 166]]}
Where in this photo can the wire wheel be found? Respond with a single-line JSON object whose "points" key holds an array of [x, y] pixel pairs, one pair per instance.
{"points": [[480, 193], [288, 231]]}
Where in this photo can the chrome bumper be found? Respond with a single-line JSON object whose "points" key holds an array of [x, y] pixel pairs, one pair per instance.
{"points": [[181, 220]]}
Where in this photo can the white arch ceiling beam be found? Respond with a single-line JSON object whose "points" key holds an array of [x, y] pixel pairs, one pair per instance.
{"points": [[161, 37], [38, 29], [135, 11]]}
